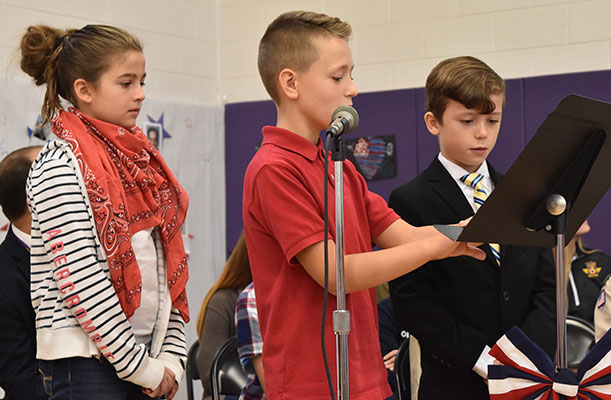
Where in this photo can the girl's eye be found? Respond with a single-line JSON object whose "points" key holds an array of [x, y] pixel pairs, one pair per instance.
{"points": [[493, 121], [337, 78], [467, 121], [125, 84], [142, 83]]}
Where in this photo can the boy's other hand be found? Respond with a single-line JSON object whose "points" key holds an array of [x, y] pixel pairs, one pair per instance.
{"points": [[464, 222], [389, 359]]}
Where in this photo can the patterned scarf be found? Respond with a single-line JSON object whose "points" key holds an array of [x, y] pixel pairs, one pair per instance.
{"points": [[130, 188]]}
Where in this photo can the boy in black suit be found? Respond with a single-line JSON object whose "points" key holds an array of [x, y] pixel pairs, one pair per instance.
{"points": [[458, 308], [19, 375]]}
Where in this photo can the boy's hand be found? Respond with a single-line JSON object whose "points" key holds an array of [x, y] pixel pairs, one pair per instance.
{"points": [[450, 248], [389, 359], [166, 386], [464, 222]]}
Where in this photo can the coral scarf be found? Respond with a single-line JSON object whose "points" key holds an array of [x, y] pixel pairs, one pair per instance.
{"points": [[130, 188]]}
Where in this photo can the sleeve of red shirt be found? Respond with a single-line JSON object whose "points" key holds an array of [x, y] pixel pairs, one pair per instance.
{"points": [[291, 214], [288, 211]]}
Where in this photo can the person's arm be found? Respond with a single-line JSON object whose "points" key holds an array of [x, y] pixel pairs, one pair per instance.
{"points": [[248, 333], [366, 270], [173, 352], [257, 363], [66, 251], [278, 188]]}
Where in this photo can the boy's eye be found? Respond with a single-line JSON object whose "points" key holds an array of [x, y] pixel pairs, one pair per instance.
{"points": [[493, 121], [466, 121], [125, 84], [337, 78], [142, 83]]}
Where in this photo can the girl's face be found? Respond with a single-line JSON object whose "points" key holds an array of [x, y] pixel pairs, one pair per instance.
{"points": [[117, 96]]}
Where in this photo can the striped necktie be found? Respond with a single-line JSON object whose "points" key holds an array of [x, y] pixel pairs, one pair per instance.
{"points": [[479, 196]]}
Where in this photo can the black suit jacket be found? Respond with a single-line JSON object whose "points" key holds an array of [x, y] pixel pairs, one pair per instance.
{"points": [[19, 375], [457, 306]]}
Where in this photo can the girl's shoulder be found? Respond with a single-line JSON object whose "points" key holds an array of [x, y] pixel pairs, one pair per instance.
{"points": [[225, 295], [55, 149], [53, 154]]}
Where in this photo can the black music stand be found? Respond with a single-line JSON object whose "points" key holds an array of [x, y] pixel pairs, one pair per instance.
{"points": [[550, 190]]}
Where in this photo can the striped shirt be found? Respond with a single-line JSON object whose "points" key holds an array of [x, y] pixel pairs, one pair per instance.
{"points": [[77, 310]]}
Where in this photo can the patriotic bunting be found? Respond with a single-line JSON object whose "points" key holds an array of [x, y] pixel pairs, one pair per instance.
{"points": [[527, 372]]}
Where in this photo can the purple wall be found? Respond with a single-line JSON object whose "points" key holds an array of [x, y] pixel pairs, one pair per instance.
{"points": [[400, 113]]}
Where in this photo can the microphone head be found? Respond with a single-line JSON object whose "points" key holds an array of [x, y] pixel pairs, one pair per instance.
{"points": [[350, 115]]}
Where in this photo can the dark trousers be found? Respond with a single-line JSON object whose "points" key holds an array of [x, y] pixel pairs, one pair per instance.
{"points": [[80, 378]]}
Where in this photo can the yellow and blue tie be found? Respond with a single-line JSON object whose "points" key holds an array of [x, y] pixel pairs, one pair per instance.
{"points": [[479, 196]]}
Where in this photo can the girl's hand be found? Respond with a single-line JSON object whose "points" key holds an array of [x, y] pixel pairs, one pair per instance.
{"points": [[166, 386]]}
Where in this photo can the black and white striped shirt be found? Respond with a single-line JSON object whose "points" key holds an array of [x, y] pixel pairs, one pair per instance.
{"points": [[77, 310]]}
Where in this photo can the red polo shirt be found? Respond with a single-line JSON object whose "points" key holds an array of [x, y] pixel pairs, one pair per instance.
{"points": [[283, 214]]}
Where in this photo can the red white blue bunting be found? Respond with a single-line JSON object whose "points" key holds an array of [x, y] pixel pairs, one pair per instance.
{"points": [[527, 372]]}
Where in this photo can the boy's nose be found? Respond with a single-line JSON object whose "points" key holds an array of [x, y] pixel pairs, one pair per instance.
{"points": [[352, 91], [482, 131]]}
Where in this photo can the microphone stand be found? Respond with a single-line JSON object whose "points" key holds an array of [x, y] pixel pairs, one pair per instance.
{"points": [[341, 316]]}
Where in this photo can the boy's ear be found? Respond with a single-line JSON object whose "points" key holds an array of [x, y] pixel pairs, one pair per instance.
{"points": [[431, 123], [288, 83], [82, 91]]}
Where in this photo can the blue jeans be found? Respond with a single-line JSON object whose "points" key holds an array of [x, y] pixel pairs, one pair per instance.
{"points": [[80, 378]]}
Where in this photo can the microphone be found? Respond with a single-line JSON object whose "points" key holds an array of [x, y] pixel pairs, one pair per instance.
{"points": [[345, 119]]}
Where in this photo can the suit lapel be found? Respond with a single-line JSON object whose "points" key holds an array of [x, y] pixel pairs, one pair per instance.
{"points": [[444, 186], [447, 188]]}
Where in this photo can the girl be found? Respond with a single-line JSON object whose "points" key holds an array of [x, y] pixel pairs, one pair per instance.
{"points": [[108, 264], [216, 320]]}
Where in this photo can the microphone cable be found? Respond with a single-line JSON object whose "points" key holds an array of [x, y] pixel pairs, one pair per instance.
{"points": [[326, 255]]}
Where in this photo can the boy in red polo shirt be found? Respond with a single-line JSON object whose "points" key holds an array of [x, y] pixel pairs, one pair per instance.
{"points": [[306, 64]]}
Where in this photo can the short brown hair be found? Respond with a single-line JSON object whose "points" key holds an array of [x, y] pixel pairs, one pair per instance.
{"points": [[58, 57], [464, 79], [287, 43], [14, 170]]}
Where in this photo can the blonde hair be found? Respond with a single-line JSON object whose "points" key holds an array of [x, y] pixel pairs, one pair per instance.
{"points": [[57, 58], [287, 43], [464, 79], [236, 275]]}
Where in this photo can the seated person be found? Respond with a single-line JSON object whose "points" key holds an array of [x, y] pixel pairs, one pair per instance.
{"points": [[250, 344], [587, 271], [215, 323]]}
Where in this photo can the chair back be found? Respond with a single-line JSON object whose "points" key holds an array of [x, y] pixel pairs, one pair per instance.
{"points": [[579, 340], [226, 375], [191, 371], [402, 371]]}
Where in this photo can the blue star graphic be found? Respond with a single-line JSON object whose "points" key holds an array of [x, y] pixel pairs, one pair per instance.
{"points": [[166, 134], [38, 122]]}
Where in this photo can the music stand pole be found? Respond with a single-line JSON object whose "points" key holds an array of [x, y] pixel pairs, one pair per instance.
{"points": [[556, 205], [341, 316]]}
